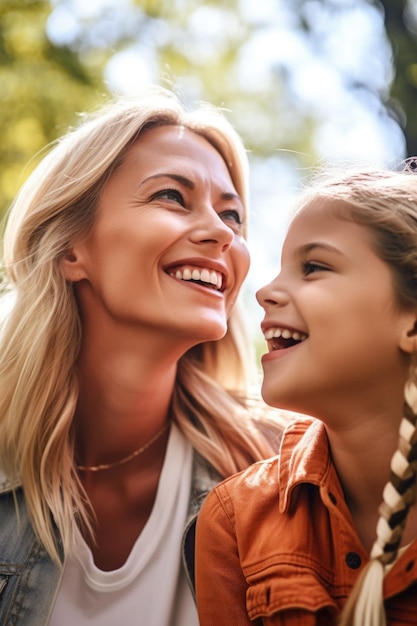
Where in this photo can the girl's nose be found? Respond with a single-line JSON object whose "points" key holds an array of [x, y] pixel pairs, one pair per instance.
{"points": [[272, 294]]}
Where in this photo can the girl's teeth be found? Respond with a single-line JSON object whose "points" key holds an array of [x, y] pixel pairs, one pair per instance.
{"points": [[275, 333]]}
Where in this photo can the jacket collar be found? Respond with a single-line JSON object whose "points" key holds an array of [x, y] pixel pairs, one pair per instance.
{"points": [[304, 458], [204, 478]]}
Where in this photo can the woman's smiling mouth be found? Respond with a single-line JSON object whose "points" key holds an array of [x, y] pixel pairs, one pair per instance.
{"points": [[203, 276]]}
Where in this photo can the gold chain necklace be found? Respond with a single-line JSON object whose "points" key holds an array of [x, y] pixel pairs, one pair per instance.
{"points": [[126, 459]]}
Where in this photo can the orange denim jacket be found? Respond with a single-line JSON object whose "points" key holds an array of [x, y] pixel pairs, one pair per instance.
{"points": [[276, 545]]}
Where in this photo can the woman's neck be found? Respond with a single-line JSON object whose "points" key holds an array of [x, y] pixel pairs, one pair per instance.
{"points": [[123, 401]]}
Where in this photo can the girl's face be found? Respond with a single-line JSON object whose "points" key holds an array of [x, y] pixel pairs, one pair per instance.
{"points": [[166, 255], [334, 331]]}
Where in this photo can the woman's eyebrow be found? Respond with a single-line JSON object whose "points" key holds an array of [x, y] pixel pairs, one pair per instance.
{"points": [[177, 177], [231, 196], [226, 195]]}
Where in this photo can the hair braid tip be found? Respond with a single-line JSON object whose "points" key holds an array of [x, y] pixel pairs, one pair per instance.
{"points": [[400, 492]]}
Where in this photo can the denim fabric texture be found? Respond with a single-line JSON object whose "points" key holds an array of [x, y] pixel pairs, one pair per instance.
{"points": [[29, 580]]}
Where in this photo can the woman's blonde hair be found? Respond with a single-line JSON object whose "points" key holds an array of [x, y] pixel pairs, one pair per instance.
{"points": [[385, 202], [41, 338]]}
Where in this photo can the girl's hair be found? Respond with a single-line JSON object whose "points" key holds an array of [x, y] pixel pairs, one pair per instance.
{"points": [[386, 203], [41, 337]]}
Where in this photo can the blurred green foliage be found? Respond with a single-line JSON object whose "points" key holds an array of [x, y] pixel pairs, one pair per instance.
{"points": [[42, 88]]}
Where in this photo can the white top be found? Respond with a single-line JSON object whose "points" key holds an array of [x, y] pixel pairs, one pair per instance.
{"points": [[150, 589]]}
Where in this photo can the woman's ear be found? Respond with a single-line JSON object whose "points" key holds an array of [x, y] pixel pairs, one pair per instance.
{"points": [[408, 337], [72, 266]]}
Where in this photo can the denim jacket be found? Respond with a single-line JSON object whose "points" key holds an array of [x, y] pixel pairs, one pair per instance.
{"points": [[29, 579]]}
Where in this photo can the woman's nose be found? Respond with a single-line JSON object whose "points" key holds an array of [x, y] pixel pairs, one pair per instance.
{"points": [[211, 229]]}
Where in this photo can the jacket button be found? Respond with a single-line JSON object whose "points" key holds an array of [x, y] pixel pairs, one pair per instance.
{"points": [[353, 560], [409, 566]]}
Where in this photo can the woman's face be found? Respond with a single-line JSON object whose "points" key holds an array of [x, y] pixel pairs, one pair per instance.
{"points": [[166, 254], [334, 330]]}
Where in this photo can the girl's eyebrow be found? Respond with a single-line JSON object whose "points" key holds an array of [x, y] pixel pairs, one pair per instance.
{"points": [[309, 247]]}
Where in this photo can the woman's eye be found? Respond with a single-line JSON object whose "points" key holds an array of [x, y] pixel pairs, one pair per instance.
{"points": [[169, 194], [232, 216], [311, 267]]}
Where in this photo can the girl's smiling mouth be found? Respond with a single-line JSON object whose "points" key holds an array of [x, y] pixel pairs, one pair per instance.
{"points": [[281, 338]]}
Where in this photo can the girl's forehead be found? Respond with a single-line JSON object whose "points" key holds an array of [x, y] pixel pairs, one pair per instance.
{"points": [[325, 220], [319, 208], [324, 209]]}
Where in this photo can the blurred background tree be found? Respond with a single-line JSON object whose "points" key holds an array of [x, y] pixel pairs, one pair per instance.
{"points": [[400, 18], [42, 86]]}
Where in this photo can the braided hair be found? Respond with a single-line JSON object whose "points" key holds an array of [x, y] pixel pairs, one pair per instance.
{"points": [[365, 604]]}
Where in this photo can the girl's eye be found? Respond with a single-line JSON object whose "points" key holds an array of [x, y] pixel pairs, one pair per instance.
{"points": [[311, 267], [169, 194]]}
